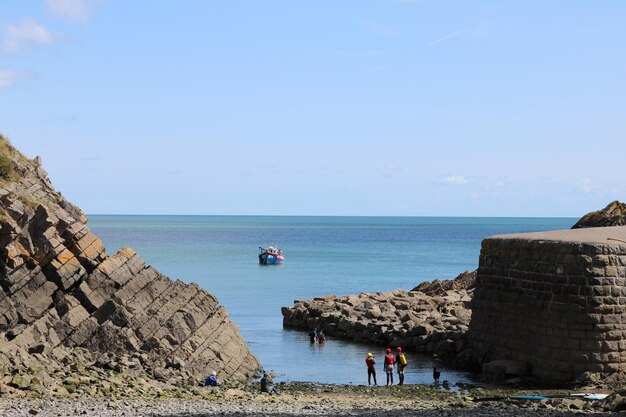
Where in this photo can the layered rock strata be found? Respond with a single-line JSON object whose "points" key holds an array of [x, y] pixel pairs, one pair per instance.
{"points": [[434, 321], [554, 301], [65, 303]]}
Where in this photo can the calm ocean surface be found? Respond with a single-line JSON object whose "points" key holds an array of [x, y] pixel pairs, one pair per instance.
{"points": [[323, 255]]}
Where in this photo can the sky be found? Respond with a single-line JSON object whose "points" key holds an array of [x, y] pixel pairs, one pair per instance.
{"points": [[351, 107]]}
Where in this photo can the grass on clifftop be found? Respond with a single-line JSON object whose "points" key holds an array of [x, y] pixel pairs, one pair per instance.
{"points": [[9, 156], [7, 170]]}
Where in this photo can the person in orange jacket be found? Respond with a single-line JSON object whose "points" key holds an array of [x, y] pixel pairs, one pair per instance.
{"points": [[390, 360]]}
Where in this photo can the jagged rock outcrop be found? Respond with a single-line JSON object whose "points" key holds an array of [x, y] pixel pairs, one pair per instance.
{"points": [[612, 215], [464, 281], [431, 322], [65, 303]]}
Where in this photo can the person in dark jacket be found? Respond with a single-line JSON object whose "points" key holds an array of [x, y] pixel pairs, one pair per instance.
{"points": [[267, 385], [436, 375]]}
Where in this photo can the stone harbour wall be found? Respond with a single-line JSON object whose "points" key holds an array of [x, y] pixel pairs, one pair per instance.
{"points": [[555, 302]]}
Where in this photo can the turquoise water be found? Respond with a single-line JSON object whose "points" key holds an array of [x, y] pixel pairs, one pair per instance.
{"points": [[323, 255]]}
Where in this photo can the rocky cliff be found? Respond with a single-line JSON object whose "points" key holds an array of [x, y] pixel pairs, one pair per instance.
{"points": [[66, 305], [612, 215]]}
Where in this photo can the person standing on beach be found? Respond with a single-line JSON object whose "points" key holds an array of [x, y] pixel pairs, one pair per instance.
{"points": [[313, 336], [401, 363], [436, 375], [371, 369], [389, 361]]}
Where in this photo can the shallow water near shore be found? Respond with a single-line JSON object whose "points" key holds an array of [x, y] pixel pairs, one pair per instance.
{"points": [[323, 255]]}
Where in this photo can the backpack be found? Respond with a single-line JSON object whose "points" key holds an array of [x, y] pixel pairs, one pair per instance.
{"points": [[402, 359]]}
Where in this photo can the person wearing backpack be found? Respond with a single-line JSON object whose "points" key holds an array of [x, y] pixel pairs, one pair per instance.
{"points": [[389, 361], [401, 361]]}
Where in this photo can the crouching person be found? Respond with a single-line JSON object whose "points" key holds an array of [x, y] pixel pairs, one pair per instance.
{"points": [[211, 380], [267, 385]]}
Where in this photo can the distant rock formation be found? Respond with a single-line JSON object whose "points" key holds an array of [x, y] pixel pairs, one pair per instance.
{"points": [[464, 281], [434, 320], [64, 303], [612, 215]]}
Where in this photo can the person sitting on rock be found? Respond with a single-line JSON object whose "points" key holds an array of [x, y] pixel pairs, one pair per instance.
{"points": [[371, 369], [267, 385], [211, 380], [389, 361]]}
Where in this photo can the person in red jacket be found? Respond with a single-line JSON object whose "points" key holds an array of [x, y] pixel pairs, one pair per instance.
{"points": [[371, 368], [389, 362], [401, 364]]}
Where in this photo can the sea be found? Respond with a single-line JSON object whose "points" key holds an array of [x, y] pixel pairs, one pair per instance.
{"points": [[323, 256]]}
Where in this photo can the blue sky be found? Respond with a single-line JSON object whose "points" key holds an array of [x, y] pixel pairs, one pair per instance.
{"points": [[389, 107]]}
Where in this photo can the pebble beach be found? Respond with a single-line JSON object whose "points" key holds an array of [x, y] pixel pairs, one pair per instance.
{"points": [[199, 408], [303, 399]]}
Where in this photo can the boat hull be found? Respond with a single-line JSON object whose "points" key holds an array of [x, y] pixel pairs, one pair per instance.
{"points": [[268, 259]]}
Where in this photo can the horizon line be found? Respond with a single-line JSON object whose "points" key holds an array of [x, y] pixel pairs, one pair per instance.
{"points": [[332, 215]]}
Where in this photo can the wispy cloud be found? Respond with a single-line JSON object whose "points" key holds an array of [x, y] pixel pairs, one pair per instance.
{"points": [[456, 180], [445, 38], [380, 28], [26, 32], [8, 77], [586, 185], [77, 11], [390, 170]]}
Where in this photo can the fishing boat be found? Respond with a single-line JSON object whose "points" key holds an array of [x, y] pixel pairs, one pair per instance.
{"points": [[270, 256]]}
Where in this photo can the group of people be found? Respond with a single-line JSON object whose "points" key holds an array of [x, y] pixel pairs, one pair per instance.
{"points": [[267, 384], [399, 361], [316, 336], [389, 362]]}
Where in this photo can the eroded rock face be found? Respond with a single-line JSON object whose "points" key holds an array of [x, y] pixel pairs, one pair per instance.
{"points": [[63, 300], [435, 321], [612, 215]]}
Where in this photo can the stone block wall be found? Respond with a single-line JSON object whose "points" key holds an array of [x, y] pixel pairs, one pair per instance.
{"points": [[554, 301]]}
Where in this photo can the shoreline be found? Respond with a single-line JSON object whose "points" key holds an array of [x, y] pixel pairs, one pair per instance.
{"points": [[301, 399]]}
